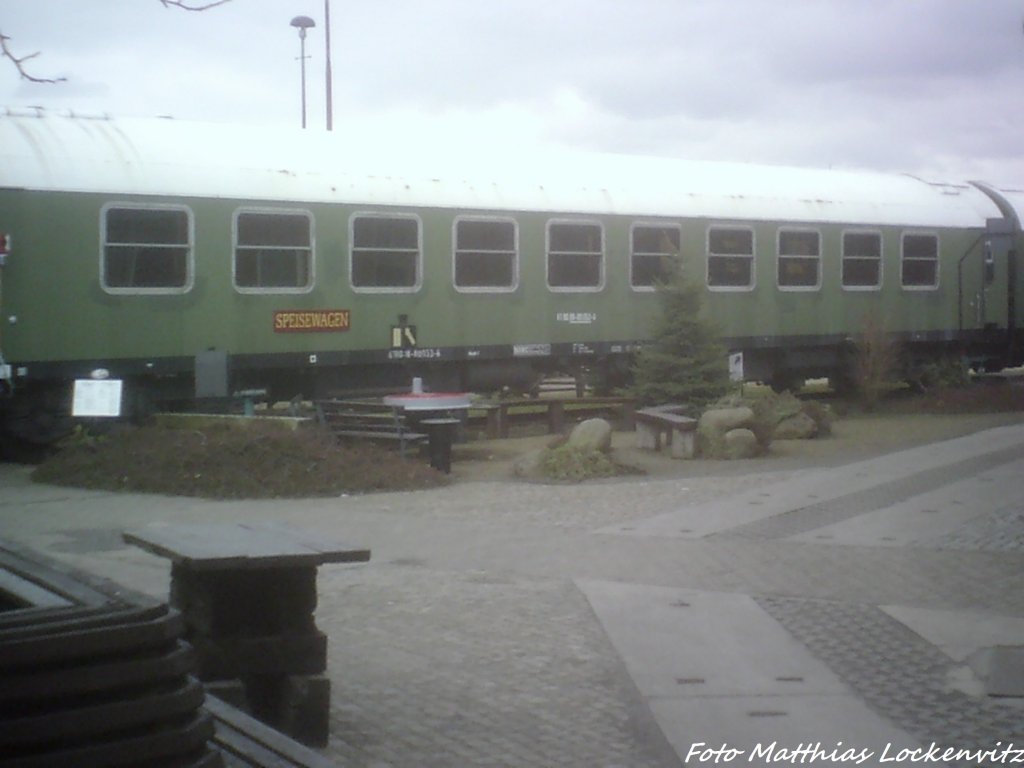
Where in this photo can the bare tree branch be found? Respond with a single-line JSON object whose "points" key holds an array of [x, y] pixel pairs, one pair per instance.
{"points": [[185, 6], [19, 63]]}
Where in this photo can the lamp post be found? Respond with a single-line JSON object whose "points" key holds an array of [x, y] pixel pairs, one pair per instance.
{"points": [[327, 76], [302, 23]]}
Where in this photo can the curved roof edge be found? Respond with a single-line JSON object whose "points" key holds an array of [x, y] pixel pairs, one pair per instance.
{"points": [[168, 158], [1009, 201]]}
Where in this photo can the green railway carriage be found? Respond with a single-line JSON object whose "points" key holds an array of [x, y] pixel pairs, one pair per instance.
{"points": [[306, 263]]}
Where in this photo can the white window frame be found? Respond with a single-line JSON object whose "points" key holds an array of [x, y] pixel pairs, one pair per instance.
{"points": [[779, 256], [709, 255], [418, 284], [274, 212], [547, 256], [937, 260], [650, 225], [190, 268], [515, 254], [843, 257]]}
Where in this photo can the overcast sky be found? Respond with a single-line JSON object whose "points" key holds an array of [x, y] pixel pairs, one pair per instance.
{"points": [[930, 87]]}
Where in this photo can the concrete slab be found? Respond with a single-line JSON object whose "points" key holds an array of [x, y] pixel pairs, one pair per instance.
{"points": [[1006, 671], [928, 515], [817, 486], [716, 669], [691, 643], [840, 728], [960, 634], [989, 648]]}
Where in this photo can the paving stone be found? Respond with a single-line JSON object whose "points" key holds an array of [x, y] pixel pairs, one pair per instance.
{"points": [[465, 642]]}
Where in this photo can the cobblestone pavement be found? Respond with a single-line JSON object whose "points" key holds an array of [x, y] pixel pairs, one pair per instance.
{"points": [[465, 641], [899, 674]]}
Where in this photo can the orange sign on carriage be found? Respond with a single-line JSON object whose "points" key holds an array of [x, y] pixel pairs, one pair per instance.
{"points": [[312, 320]]}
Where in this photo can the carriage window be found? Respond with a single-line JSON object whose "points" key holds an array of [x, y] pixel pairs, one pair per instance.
{"points": [[920, 265], [273, 250], [575, 256], [654, 253], [146, 250], [862, 260], [385, 253], [799, 259], [485, 255], [730, 257]]}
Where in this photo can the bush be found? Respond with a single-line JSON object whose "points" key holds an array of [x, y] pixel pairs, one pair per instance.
{"points": [[221, 461], [568, 463], [684, 363], [945, 373], [876, 362]]}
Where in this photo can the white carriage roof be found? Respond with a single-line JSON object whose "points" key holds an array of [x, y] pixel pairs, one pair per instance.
{"points": [[170, 158], [1014, 200]]}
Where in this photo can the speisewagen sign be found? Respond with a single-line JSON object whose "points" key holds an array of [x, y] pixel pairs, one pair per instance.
{"points": [[311, 320]]}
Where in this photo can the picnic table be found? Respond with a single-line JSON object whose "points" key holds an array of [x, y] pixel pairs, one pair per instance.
{"points": [[434, 412], [247, 592]]}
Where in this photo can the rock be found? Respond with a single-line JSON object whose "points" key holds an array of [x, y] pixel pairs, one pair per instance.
{"points": [[713, 426], [741, 444], [800, 426], [785, 405], [591, 435], [721, 420], [822, 415]]}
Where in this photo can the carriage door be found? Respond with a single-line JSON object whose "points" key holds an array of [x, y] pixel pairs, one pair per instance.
{"points": [[993, 300]]}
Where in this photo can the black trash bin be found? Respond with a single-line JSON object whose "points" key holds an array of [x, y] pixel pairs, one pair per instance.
{"points": [[442, 434]]}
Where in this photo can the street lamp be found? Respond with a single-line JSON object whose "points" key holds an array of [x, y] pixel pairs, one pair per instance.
{"points": [[327, 74], [302, 23]]}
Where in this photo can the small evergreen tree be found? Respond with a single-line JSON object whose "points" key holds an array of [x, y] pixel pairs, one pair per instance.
{"points": [[684, 362]]}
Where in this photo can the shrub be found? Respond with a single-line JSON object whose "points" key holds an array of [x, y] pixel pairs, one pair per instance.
{"points": [[876, 361], [568, 463], [684, 363]]}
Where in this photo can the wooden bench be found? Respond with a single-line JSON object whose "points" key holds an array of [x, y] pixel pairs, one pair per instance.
{"points": [[92, 674], [499, 414], [367, 420], [245, 742], [666, 425]]}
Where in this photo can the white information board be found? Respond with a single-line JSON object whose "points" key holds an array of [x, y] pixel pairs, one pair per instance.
{"points": [[736, 366], [97, 398]]}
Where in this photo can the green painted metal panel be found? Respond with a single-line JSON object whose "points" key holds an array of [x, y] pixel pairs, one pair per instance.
{"points": [[51, 286]]}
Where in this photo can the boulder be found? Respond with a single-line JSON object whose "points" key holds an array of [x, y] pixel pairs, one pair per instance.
{"points": [[591, 435], [721, 420], [741, 444], [785, 405], [713, 426], [799, 426]]}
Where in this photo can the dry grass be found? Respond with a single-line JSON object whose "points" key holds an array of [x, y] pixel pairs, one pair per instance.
{"points": [[262, 462], [221, 462]]}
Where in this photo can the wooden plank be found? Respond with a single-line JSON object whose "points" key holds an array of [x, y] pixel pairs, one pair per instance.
{"points": [[28, 592], [366, 434], [90, 677], [29, 623], [174, 739], [243, 736], [77, 587], [337, 552], [33, 648], [218, 546], [93, 721]]}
